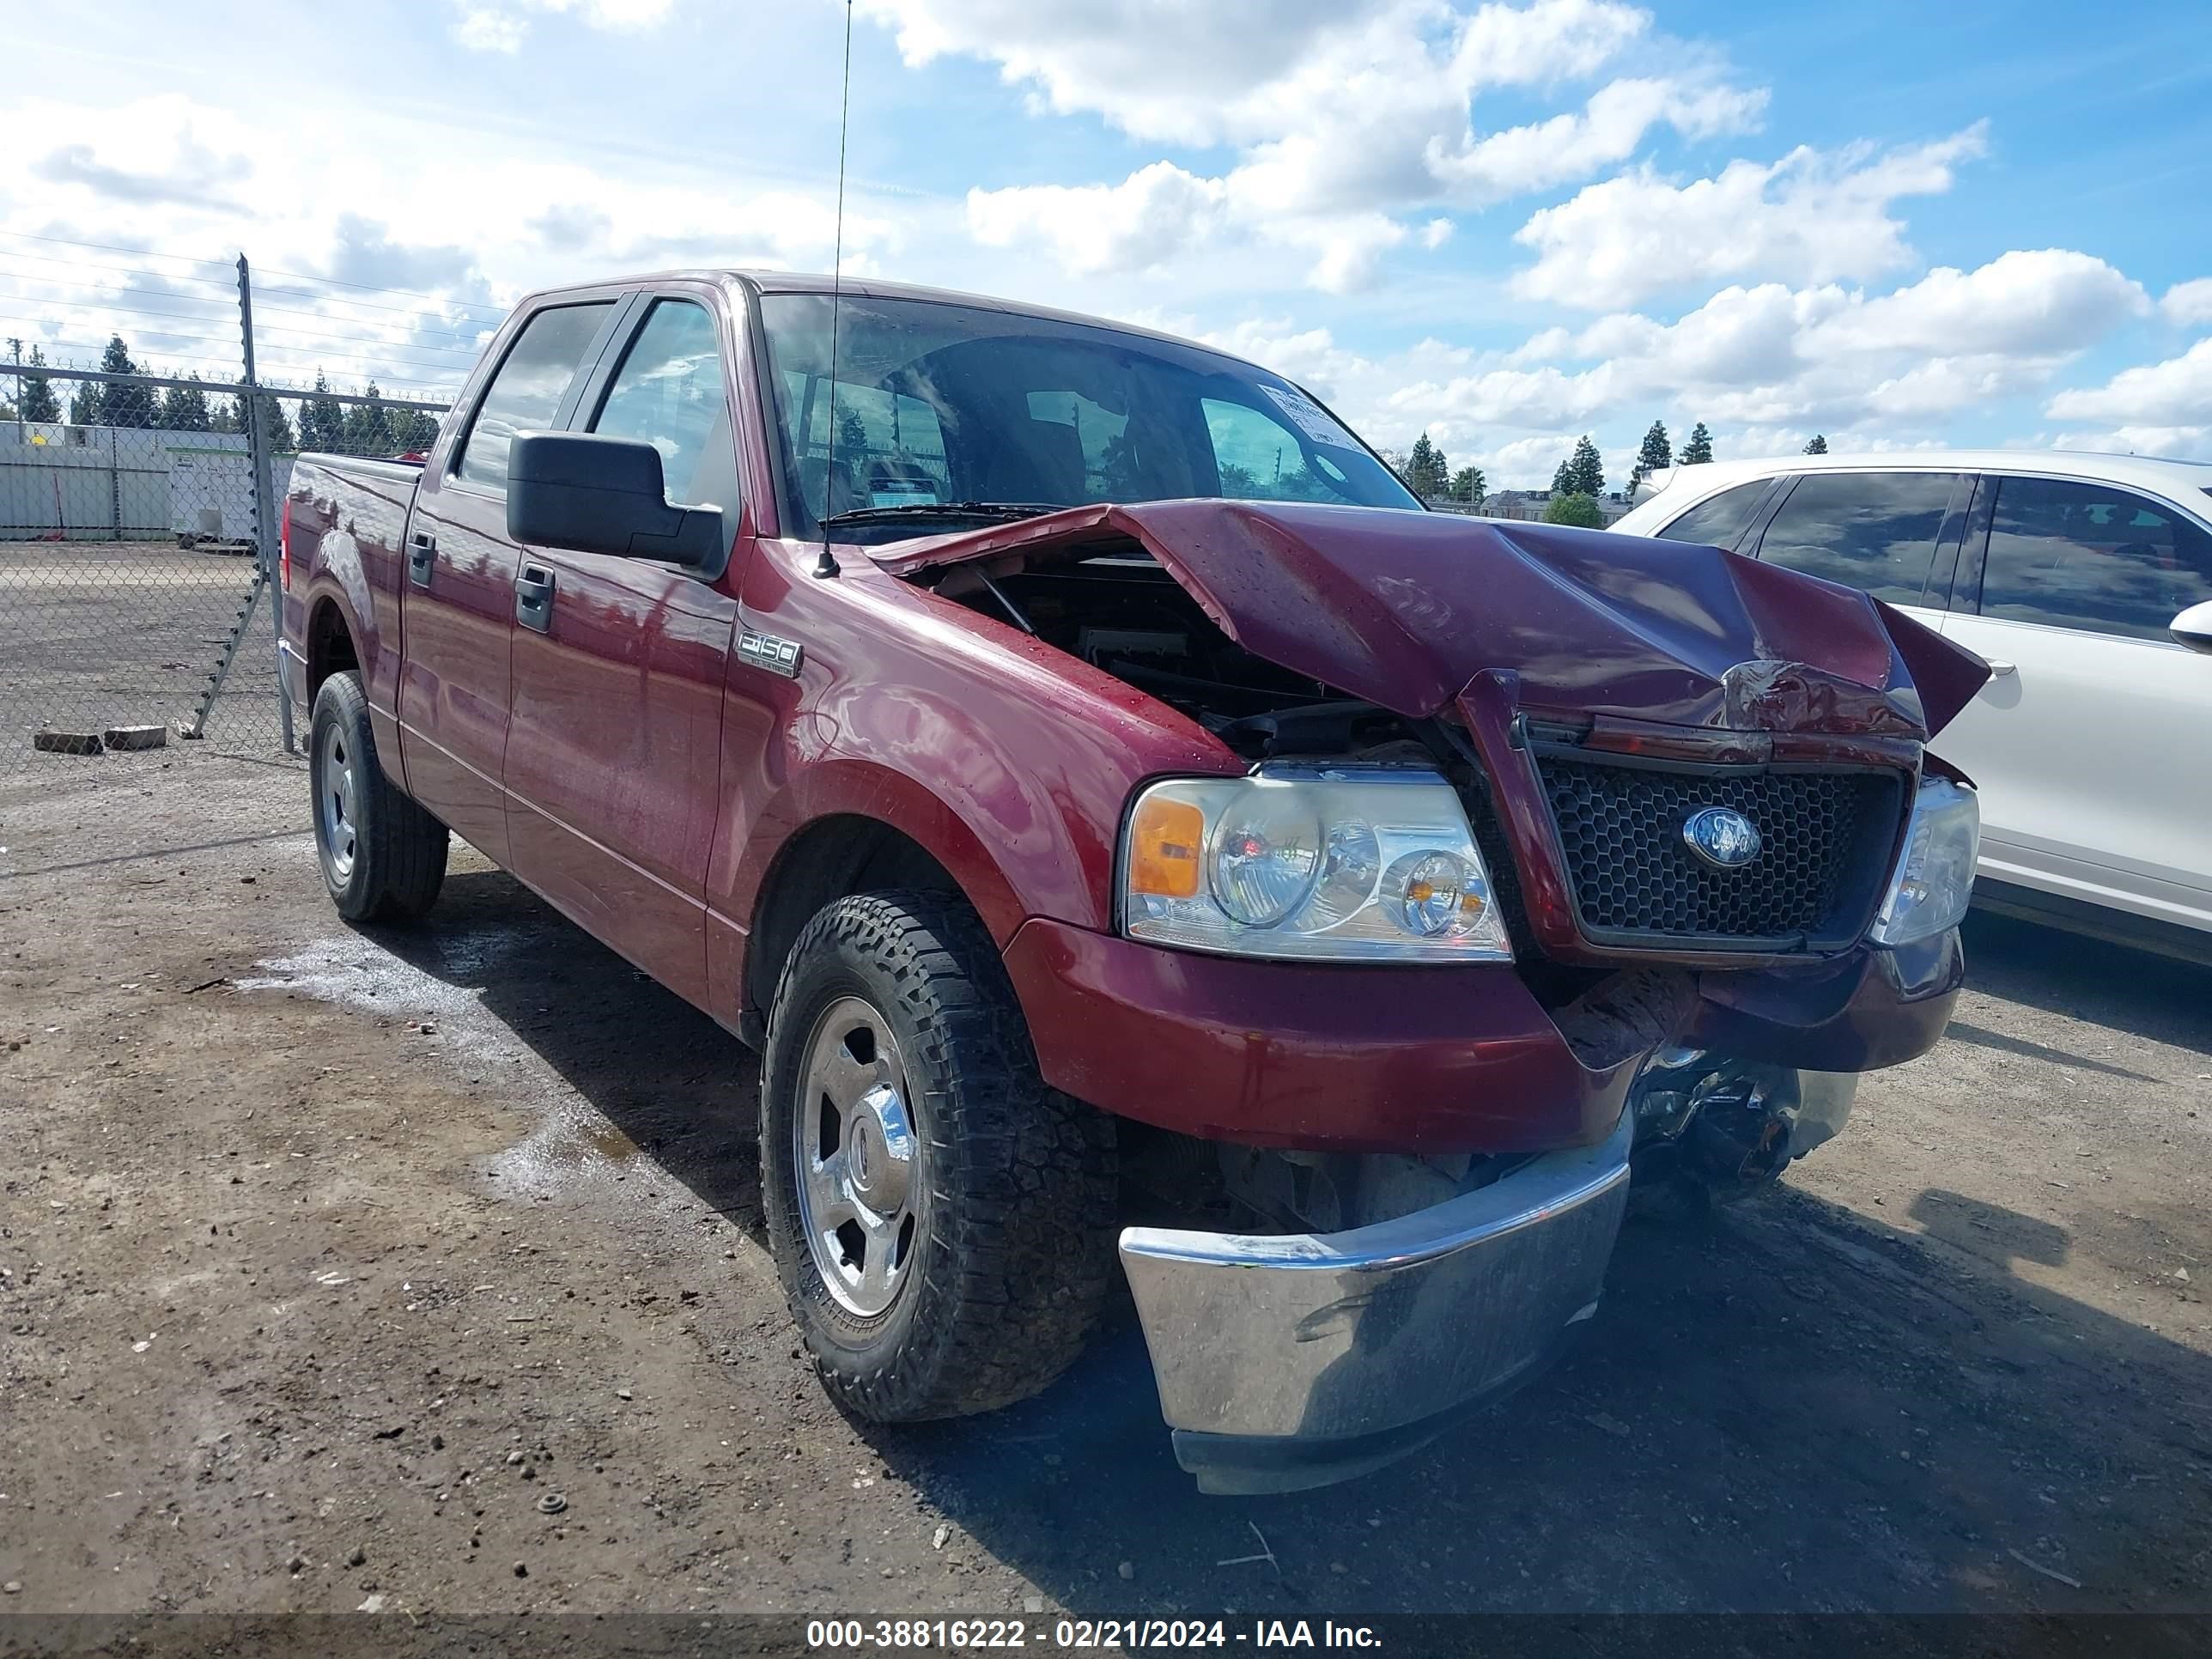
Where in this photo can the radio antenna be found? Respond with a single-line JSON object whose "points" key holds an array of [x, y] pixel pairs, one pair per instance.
{"points": [[826, 564]]}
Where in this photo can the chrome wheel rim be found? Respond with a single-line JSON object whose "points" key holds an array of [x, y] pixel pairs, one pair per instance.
{"points": [[857, 1159], [336, 814]]}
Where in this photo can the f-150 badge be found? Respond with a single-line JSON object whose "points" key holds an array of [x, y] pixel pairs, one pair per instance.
{"points": [[766, 651]]}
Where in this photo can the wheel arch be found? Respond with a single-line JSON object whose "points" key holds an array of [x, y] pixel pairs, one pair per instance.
{"points": [[827, 858]]}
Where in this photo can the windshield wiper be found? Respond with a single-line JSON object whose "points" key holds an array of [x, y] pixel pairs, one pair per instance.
{"points": [[926, 512]]}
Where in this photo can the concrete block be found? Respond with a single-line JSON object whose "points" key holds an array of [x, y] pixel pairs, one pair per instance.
{"points": [[67, 743]]}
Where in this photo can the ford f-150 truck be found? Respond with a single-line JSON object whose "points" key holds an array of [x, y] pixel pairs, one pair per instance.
{"points": [[1127, 824]]}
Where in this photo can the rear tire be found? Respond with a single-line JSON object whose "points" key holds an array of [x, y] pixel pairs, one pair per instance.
{"points": [[942, 1221], [383, 857]]}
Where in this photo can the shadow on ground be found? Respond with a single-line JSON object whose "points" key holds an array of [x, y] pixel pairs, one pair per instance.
{"points": [[1789, 1408]]}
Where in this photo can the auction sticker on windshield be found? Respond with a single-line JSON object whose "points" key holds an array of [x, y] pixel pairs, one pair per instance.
{"points": [[1310, 417]]}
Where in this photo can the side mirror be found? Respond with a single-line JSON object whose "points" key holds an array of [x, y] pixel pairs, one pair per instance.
{"points": [[597, 494], [2193, 627]]}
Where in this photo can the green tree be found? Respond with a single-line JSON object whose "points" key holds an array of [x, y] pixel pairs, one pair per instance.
{"points": [[322, 418], [1576, 509], [1586, 472], [367, 429], [1699, 449], [278, 426], [122, 405], [1468, 485], [84, 403], [1427, 473], [1655, 454], [1818, 446], [38, 402], [184, 409], [417, 429]]}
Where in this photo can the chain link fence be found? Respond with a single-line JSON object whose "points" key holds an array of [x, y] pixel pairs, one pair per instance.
{"points": [[139, 696]]}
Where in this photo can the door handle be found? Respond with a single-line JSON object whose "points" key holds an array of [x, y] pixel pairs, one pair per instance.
{"points": [[533, 598], [422, 554], [2000, 669]]}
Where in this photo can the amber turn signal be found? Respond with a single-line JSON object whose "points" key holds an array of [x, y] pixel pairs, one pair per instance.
{"points": [[1164, 840]]}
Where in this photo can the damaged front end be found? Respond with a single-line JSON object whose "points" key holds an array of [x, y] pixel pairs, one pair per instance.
{"points": [[1722, 873]]}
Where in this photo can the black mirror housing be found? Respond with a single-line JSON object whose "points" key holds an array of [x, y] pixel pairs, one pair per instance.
{"points": [[592, 493]]}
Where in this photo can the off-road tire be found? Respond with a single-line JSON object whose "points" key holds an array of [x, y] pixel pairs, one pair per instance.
{"points": [[1016, 1254], [398, 860]]}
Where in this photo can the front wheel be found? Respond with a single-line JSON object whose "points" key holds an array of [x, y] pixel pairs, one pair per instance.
{"points": [[383, 856], [943, 1223]]}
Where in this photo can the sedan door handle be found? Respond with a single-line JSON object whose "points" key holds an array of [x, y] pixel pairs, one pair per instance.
{"points": [[422, 554], [2000, 669], [533, 598]]}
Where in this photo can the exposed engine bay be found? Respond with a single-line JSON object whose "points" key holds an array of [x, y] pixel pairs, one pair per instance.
{"points": [[1126, 616]]}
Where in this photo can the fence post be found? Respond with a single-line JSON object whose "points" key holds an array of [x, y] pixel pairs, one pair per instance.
{"points": [[265, 532]]}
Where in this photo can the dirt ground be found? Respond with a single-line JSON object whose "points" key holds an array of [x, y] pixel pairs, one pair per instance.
{"points": [[419, 1270]]}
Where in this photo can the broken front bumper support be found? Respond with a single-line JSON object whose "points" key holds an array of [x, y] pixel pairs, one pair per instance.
{"points": [[1289, 1362]]}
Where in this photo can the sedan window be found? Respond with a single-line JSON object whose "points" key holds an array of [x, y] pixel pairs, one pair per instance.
{"points": [[1874, 531], [2087, 556]]}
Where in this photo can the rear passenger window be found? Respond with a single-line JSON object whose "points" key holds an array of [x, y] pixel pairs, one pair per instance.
{"points": [[2090, 556], [1718, 522], [1873, 531], [526, 390]]}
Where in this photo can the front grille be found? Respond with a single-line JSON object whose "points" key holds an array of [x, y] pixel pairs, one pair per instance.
{"points": [[1826, 837]]}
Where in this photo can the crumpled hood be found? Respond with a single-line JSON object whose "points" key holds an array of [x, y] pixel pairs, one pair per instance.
{"points": [[1404, 609]]}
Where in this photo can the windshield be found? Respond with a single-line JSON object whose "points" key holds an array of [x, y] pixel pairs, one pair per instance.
{"points": [[939, 404]]}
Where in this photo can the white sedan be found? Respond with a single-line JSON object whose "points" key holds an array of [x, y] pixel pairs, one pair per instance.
{"points": [[2085, 582]]}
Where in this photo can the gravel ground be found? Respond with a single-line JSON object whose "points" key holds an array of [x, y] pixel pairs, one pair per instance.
{"points": [[421, 1270], [100, 633]]}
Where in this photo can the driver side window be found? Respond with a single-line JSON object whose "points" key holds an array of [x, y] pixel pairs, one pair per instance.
{"points": [[669, 393]]}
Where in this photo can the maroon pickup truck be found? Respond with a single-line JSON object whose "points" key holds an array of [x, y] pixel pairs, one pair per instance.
{"points": [[1128, 823]]}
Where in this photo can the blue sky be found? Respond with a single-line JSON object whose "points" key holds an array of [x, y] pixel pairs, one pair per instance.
{"points": [[1505, 224]]}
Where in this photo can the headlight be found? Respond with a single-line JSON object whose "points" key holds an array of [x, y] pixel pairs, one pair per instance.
{"points": [[1935, 878], [1358, 864]]}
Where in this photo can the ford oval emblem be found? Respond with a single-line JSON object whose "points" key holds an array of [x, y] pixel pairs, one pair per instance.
{"points": [[1722, 837]]}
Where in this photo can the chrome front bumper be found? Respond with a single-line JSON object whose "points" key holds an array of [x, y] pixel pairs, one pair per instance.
{"points": [[1291, 1362]]}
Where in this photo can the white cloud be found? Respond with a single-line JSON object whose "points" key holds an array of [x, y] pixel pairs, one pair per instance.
{"points": [[2180, 443], [1155, 212], [2177, 392], [2049, 300], [1607, 131], [2189, 303], [1808, 217], [1343, 118], [503, 25]]}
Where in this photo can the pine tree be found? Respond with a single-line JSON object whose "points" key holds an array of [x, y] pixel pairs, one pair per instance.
{"points": [[278, 428], [1562, 478], [84, 403], [184, 409], [1656, 454], [322, 420], [1427, 473], [1468, 485], [1699, 449], [1818, 446], [366, 430], [418, 430], [1586, 472], [38, 402], [852, 432], [122, 405]]}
